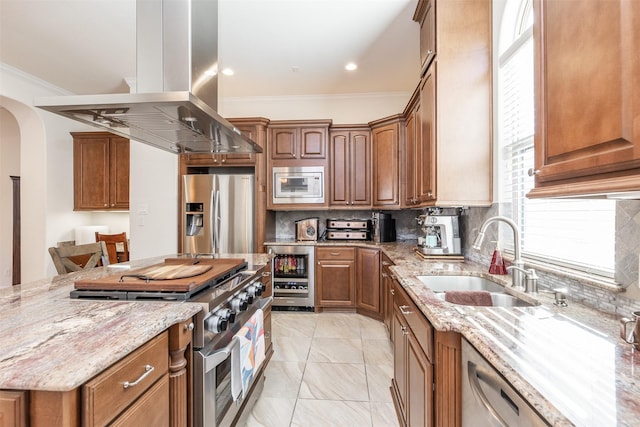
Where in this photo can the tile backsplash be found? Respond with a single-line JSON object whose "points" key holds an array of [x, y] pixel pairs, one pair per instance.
{"points": [[584, 290]]}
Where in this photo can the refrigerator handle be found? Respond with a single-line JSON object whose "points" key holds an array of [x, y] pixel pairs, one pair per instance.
{"points": [[212, 220], [216, 222]]}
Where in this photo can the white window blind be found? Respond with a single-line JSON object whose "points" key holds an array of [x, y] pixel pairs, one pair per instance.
{"points": [[573, 233]]}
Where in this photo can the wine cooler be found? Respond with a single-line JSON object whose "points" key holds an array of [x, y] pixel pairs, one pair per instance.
{"points": [[292, 269]]}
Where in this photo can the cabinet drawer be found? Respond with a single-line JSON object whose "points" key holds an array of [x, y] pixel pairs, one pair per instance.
{"points": [[105, 396], [151, 409], [420, 326], [336, 253]]}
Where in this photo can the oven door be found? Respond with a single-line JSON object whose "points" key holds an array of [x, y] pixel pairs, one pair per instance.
{"points": [[217, 378]]}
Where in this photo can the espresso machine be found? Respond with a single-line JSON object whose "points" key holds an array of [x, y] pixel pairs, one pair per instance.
{"points": [[441, 234]]}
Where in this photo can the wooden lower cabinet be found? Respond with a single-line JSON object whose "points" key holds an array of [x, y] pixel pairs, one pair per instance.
{"points": [[159, 374], [368, 291], [386, 282], [335, 277], [426, 385], [13, 408]]}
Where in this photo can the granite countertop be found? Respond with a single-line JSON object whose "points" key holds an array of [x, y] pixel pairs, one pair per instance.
{"points": [[51, 342], [568, 362]]}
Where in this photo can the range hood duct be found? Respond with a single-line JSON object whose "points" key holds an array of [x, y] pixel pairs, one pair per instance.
{"points": [[174, 107]]}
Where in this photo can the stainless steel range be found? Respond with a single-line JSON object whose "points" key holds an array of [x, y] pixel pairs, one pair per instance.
{"points": [[230, 324]]}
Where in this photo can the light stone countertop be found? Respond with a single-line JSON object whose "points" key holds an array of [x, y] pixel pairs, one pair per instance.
{"points": [[568, 362], [51, 342]]}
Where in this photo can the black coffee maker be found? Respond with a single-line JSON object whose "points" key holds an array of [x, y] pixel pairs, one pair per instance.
{"points": [[384, 227]]}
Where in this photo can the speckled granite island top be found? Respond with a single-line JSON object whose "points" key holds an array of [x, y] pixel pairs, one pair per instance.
{"points": [[568, 362], [51, 342]]}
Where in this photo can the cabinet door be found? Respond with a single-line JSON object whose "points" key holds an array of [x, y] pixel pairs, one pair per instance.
{"points": [[313, 143], [335, 283], [411, 160], [419, 385], [425, 150], [388, 293], [13, 408], [151, 409], [119, 173], [283, 143], [339, 170], [360, 151], [428, 34], [588, 93], [368, 293], [399, 328], [385, 143], [91, 173]]}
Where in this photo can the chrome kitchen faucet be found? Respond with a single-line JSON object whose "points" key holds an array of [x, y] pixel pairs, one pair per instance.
{"points": [[518, 265]]}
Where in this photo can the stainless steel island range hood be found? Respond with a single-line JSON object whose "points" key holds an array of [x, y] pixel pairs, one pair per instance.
{"points": [[177, 88]]}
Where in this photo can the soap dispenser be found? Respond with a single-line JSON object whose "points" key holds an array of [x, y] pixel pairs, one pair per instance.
{"points": [[497, 262]]}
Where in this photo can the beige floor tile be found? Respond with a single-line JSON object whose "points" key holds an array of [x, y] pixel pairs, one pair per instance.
{"points": [[334, 381], [383, 415], [285, 324], [331, 413], [379, 381], [372, 329], [337, 350], [377, 352], [271, 412], [290, 349], [283, 379], [337, 325]]}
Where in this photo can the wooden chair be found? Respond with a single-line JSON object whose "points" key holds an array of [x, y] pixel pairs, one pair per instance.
{"points": [[117, 246], [68, 257]]}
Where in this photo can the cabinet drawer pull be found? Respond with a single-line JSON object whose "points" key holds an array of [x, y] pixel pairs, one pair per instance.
{"points": [[392, 291], [335, 253], [188, 327], [532, 172], [403, 309], [404, 330], [386, 263], [147, 370]]}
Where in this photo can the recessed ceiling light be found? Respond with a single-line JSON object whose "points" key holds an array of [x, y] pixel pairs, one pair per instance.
{"points": [[350, 66], [228, 72]]}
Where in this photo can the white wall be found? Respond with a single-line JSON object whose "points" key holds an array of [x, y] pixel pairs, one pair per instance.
{"points": [[342, 109], [153, 202], [9, 166]]}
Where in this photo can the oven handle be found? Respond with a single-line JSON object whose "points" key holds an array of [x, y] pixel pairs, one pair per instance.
{"points": [[265, 303]]}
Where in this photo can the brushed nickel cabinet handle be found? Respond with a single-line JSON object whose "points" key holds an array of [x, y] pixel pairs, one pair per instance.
{"points": [[147, 370], [532, 172], [335, 253], [189, 327], [403, 309], [392, 291]]}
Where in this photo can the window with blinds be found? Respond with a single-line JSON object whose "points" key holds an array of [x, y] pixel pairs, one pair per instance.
{"points": [[573, 233]]}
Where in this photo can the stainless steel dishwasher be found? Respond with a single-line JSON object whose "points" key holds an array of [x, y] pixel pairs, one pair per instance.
{"points": [[488, 399]]}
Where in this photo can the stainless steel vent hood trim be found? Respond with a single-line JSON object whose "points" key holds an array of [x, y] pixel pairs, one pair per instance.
{"points": [[178, 122], [176, 48]]}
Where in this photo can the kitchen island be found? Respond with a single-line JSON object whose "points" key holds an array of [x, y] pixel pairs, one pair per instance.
{"points": [[569, 363], [51, 344]]}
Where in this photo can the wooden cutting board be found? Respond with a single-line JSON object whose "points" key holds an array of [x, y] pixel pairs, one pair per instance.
{"points": [[165, 277]]}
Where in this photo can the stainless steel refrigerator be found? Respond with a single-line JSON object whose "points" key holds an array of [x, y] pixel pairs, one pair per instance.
{"points": [[217, 213]]}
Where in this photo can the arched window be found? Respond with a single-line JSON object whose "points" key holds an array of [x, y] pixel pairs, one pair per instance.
{"points": [[575, 233]]}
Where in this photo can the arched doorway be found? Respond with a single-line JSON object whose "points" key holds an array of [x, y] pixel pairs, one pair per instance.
{"points": [[9, 167], [25, 135]]}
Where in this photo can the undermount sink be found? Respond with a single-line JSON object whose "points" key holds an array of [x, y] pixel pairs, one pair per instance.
{"points": [[442, 284]]}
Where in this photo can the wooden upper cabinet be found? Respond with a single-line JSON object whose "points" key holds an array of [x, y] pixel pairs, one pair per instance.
{"points": [[293, 140], [350, 167], [101, 171], [425, 14], [587, 135], [385, 152], [451, 142]]}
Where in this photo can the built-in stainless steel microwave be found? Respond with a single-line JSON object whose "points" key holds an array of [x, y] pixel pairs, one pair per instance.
{"points": [[298, 185]]}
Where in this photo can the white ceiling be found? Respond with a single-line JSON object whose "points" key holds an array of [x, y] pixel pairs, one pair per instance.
{"points": [[88, 46]]}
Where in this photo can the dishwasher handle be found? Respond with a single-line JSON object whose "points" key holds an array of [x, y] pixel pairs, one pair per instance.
{"points": [[475, 374]]}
